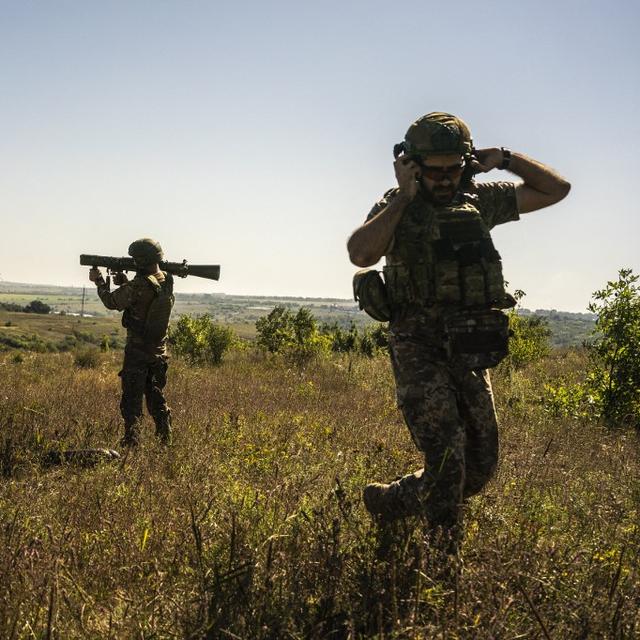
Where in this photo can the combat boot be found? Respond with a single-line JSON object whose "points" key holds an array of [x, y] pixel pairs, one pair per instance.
{"points": [[163, 429], [381, 501], [131, 436]]}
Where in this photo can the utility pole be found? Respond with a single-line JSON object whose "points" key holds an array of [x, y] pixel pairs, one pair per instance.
{"points": [[82, 307]]}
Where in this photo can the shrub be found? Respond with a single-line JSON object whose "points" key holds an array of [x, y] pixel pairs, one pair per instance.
{"points": [[614, 379], [31, 342], [87, 357], [342, 340], [374, 340], [529, 340], [297, 336], [200, 340], [275, 331], [611, 389], [37, 306]]}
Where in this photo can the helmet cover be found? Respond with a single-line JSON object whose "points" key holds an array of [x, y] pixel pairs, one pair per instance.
{"points": [[438, 133], [146, 251]]}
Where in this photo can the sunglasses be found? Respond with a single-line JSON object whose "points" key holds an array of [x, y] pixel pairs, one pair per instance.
{"points": [[439, 173]]}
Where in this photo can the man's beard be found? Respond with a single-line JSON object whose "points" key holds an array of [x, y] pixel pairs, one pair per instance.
{"points": [[439, 195]]}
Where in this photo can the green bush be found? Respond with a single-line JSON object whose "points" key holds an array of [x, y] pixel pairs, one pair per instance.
{"points": [[275, 331], [374, 340], [614, 379], [611, 389], [37, 306], [201, 340], [87, 357], [297, 336], [529, 340], [31, 342], [342, 340]]}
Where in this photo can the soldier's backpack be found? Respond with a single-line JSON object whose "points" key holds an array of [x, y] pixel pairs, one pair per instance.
{"points": [[370, 292], [159, 311]]}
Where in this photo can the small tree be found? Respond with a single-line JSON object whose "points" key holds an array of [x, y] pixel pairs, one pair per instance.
{"points": [[295, 335], [374, 340], [200, 340], [342, 340], [37, 306], [276, 330], [611, 390], [615, 352]]}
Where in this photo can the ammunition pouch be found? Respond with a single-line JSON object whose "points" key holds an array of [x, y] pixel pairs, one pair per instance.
{"points": [[370, 292], [477, 339]]}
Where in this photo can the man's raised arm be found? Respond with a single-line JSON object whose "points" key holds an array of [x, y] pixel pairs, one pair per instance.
{"points": [[369, 242], [541, 186]]}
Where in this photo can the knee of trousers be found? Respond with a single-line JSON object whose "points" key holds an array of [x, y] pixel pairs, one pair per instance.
{"points": [[132, 393], [477, 476], [159, 410], [131, 411], [435, 431]]}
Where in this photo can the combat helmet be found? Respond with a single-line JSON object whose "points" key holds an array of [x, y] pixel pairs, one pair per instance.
{"points": [[146, 251], [437, 133]]}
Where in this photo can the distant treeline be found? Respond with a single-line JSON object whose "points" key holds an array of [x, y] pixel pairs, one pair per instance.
{"points": [[35, 306]]}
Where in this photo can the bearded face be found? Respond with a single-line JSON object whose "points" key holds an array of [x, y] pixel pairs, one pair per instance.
{"points": [[440, 176]]}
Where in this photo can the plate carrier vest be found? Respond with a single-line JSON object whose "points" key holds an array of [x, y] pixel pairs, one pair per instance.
{"points": [[444, 256]]}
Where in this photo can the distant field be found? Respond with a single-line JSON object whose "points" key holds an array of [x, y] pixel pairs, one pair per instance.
{"points": [[241, 312], [228, 309]]}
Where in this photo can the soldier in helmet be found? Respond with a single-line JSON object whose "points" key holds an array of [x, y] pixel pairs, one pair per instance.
{"points": [[146, 301], [443, 292]]}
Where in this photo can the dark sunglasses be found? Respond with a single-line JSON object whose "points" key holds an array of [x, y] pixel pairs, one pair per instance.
{"points": [[439, 173]]}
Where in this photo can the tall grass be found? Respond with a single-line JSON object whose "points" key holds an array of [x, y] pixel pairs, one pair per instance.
{"points": [[251, 524]]}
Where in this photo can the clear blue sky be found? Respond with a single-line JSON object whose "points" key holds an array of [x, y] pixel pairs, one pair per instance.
{"points": [[257, 135]]}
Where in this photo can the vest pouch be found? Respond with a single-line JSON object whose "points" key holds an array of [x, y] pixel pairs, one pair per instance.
{"points": [[159, 311], [398, 281], [473, 283], [477, 339], [494, 281], [370, 293], [447, 281]]}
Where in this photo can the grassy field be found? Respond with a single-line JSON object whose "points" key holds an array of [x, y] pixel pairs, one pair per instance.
{"points": [[251, 525]]}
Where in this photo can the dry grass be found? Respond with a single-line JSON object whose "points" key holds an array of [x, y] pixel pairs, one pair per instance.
{"points": [[251, 525]]}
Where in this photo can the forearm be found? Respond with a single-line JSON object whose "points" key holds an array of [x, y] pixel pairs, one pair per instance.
{"points": [[104, 293], [537, 175], [541, 186], [370, 241]]}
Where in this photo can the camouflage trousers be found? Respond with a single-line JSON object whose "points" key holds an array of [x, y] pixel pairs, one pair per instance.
{"points": [[451, 416], [144, 377]]}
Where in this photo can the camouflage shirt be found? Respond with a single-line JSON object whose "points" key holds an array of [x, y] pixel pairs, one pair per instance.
{"points": [[134, 299], [496, 204]]}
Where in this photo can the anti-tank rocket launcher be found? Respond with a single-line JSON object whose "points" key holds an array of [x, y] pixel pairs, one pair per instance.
{"points": [[180, 269]]}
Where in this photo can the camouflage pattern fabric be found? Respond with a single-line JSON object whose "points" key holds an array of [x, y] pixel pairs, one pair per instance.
{"points": [[448, 409], [144, 371], [135, 298], [438, 133], [496, 202], [451, 417], [144, 377]]}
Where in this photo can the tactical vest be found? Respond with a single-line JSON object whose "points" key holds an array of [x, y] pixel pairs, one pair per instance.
{"points": [[148, 316], [159, 312], [443, 256]]}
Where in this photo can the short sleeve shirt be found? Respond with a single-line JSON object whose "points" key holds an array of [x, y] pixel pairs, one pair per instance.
{"points": [[496, 202]]}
